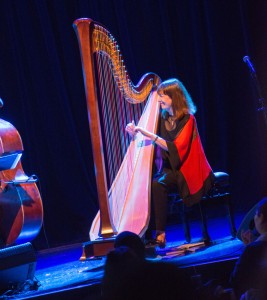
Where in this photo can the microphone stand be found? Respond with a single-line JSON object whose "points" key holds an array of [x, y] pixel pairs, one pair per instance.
{"points": [[262, 106], [263, 145]]}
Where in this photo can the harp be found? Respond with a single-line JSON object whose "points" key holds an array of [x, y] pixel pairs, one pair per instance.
{"points": [[123, 165]]}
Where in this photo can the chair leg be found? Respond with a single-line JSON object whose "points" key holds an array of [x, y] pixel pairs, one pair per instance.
{"points": [[185, 221], [204, 225], [230, 216]]}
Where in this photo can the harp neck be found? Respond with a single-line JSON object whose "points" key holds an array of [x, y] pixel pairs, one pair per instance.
{"points": [[103, 42]]}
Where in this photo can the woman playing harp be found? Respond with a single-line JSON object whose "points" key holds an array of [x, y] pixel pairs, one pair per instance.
{"points": [[181, 164]]}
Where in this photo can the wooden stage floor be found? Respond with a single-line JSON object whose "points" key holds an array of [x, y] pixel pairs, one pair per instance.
{"points": [[60, 274]]}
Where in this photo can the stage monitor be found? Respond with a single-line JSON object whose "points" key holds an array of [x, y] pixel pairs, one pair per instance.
{"points": [[17, 265]]}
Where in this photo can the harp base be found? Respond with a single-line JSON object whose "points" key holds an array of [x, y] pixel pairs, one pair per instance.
{"points": [[97, 248]]}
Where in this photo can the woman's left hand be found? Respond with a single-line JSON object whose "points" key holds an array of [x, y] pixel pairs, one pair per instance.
{"points": [[130, 128], [133, 130]]}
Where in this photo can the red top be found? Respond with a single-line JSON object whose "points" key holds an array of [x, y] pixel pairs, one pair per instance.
{"points": [[188, 160]]}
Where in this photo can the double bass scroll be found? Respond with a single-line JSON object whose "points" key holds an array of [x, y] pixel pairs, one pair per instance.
{"points": [[122, 166]]}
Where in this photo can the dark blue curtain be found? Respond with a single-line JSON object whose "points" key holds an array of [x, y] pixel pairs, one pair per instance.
{"points": [[200, 42]]}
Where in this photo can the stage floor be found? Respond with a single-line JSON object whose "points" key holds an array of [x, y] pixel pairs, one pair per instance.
{"points": [[60, 274]]}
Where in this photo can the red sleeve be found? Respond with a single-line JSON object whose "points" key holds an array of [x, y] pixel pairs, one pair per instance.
{"points": [[194, 167], [184, 139]]}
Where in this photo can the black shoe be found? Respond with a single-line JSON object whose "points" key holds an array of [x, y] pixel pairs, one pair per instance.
{"points": [[155, 243]]}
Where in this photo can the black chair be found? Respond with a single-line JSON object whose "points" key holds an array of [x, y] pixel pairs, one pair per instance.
{"points": [[219, 195]]}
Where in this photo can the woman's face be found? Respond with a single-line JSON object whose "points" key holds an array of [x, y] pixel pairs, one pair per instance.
{"points": [[165, 102]]}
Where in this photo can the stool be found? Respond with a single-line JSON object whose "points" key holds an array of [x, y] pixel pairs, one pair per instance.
{"points": [[218, 195]]}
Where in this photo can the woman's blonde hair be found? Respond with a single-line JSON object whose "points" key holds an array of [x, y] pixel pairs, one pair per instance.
{"points": [[182, 102]]}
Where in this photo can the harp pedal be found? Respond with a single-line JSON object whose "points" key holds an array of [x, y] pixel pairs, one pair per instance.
{"points": [[96, 248]]}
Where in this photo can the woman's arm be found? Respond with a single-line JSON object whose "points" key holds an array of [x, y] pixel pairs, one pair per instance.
{"points": [[132, 130]]}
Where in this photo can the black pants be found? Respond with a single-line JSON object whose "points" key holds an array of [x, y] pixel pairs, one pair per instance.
{"points": [[163, 184]]}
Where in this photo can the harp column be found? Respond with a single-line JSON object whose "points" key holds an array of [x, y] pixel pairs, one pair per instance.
{"points": [[82, 29]]}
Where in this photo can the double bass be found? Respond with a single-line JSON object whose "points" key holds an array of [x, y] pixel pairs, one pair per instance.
{"points": [[21, 210]]}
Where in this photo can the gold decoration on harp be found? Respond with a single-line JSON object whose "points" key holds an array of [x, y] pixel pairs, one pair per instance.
{"points": [[103, 41]]}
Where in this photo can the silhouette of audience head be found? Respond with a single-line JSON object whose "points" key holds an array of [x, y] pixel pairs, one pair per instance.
{"points": [[132, 241], [260, 218], [249, 275], [128, 275]]}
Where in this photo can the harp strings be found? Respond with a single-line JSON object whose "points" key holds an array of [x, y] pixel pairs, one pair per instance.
{"points": [[105, 42], [116, 113]]}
